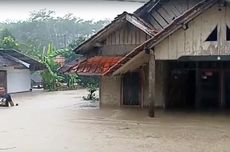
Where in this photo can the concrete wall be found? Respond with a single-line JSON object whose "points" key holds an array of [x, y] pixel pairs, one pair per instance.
{"points": [[110, 91], [18, 80]]}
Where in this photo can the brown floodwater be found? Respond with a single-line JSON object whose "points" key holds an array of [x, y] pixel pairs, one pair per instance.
{"points": [[63, 122]]}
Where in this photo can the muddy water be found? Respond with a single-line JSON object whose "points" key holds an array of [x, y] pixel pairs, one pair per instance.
{"points": [[63, 122]]}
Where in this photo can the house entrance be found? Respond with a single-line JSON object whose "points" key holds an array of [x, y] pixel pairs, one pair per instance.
{"points": [[209, 89], [198, 85], [132, 89], [181, 88], [3, 79]]}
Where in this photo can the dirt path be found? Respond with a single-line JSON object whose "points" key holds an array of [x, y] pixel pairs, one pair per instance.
{"points": [[61, 121]]}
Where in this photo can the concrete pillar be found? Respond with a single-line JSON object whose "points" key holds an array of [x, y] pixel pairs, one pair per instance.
{"points": [[152, 79]]}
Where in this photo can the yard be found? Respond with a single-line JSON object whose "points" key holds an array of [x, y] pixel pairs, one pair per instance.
{"points": [[61, 121]]}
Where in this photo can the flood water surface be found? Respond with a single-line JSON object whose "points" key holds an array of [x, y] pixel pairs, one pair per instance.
{"points": [[63, 122]]}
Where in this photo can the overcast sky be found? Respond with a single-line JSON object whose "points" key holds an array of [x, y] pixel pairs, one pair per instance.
{"points": [[13, 10]]}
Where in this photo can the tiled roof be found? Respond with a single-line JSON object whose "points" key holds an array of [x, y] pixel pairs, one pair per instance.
{"points": [[95, 65]]}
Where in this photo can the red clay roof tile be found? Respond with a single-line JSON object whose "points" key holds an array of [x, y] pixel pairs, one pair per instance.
{"points": [[95, 66]]}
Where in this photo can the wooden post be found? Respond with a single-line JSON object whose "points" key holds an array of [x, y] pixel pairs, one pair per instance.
{"points": [[152, 68]]}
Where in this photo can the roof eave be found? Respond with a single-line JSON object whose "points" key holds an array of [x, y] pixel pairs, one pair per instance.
{"points": [[127, 17], [95, 36]]}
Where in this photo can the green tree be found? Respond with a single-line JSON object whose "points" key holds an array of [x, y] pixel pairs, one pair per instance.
{"points": [[9, 43], [6, 33], [51, 78], [41, 15], [43, 28], [68, 53], [7, 40]]}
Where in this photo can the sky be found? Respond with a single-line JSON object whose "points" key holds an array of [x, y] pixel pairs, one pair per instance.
{"points": [[12, 10]]}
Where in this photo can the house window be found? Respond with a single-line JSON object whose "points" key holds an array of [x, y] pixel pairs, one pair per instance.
{"points": [[213, 35], [227, 33]]}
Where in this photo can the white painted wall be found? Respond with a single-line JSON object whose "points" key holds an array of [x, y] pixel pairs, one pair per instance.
{"points": [[18, 80]]}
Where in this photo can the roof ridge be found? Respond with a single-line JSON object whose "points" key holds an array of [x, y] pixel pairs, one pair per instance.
{"points": [[150, 31], [150, 3]]}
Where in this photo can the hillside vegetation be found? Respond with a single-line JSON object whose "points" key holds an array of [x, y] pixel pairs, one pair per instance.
{"points": [[33, 36]]}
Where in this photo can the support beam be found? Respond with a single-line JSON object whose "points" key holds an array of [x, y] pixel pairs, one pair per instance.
{"points": [[152, 84]]}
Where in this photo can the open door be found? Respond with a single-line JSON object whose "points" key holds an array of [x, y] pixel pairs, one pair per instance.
{"points": [[181, 90], [3, 79], [132, 89], [209, 89]]}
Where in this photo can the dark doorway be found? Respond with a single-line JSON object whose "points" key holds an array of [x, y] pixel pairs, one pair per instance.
{"points": [[209, 89], [227, 89], [181, 89], [131, 89], [3, 79], [203, 85]]}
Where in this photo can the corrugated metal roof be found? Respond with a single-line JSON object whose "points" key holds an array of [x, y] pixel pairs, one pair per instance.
{"points": [[6, 61], [21, 59], [95, 65]]}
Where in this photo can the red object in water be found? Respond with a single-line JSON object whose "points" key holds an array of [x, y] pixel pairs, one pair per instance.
{"points": [[209, 73], [95, 66]]}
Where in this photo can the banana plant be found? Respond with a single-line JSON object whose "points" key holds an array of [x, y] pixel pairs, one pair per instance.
{"points": [[51, 78]]}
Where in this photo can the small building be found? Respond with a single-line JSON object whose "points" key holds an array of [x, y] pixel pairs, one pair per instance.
{"points": [[60, 60], [15, 70], [168, 54]]}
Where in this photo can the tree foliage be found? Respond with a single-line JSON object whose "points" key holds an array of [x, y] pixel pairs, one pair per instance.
{"points": [[43, 28], [51, 78], [7, 40], [44, 36], [68, 52]]}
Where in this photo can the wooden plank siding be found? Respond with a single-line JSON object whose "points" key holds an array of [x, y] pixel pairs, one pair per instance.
{"points": [[123, 41], [192, 41], [166, 11]]}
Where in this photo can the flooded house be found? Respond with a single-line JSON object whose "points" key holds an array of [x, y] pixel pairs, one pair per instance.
{"points": [[167, 54], [16, 69]]}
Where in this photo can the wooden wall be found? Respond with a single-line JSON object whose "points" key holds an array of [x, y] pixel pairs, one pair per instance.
{"points": [[165, 13], [123, 40], [192, 42]]}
